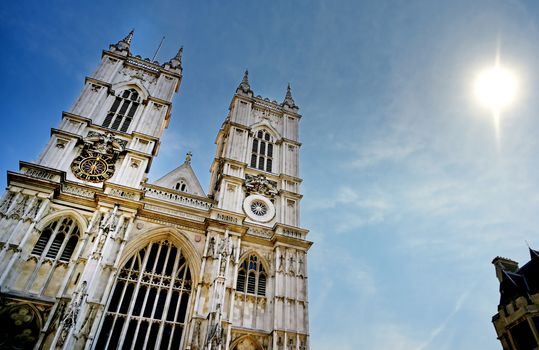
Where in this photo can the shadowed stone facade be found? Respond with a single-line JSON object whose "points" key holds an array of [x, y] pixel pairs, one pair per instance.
{"points": [[517, 320], [93, 256]]}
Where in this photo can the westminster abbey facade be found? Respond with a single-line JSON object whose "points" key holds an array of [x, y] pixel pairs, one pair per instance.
{"points": [[94, 256]]}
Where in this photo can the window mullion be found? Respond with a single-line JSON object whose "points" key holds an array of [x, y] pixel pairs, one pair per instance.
{"points": [[167, 301], [169, 296], [173, 282], [133, 299]]}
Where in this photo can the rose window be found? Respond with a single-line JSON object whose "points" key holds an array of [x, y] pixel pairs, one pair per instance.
{"points": [[259, 208]]}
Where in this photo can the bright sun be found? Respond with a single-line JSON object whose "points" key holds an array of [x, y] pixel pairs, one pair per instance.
{"points": [[496, 88]]}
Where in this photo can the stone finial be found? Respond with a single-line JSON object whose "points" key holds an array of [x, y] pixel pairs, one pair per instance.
{"points": [[288, 100], [188, 157], [244, 85], [176, 61], [124, 44]]}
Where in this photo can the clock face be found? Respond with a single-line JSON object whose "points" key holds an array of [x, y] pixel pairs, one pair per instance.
{"points": [[93, 167]]}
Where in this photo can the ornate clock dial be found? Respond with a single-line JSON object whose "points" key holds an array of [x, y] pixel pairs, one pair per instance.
{"points": [[93, 167]]}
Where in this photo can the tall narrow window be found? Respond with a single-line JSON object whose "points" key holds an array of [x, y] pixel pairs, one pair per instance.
{"points": [[122, 110], [61, 235], [181, 186], [149, 301], [262, 151], [252, 272]]}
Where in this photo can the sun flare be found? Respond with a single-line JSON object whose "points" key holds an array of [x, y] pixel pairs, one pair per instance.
{"points": [[496, 88]]}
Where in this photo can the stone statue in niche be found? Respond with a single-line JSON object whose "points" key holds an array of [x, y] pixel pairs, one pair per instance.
{"points": [[211, 247], [109, 225], [281, 262], [72, 312], [224, 247], [292, 264]]}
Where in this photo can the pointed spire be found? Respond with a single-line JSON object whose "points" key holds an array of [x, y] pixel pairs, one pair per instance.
{"points": [[129, 37], [534, 254], [288, 100], [176, 61], [244, 85], [179, 54], [124, 44]]}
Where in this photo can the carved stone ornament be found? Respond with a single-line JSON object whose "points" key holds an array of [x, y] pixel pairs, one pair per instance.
{"points": [[259, 184], [104, 143]]}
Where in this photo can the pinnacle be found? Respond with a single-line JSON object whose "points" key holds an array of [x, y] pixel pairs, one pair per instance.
{"points": [[129, 37], [244, 85], [288, 100], [176, 61], [124, 44], [179, 54]]}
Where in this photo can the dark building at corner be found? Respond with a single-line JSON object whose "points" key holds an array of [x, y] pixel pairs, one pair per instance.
{"points": [[517, 320]]}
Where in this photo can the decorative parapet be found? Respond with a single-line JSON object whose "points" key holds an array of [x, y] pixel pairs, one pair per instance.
{"points": [[267, 234], [173, 212], [227, 216], [174, 197], [78, 191], [292, 232], [123, 194], [143, 65], [40, 172]]}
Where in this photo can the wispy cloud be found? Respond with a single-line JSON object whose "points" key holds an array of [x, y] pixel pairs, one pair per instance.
{"points": [[442, 326]]}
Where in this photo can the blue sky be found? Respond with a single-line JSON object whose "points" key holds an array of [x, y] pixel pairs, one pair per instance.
{"points": [[408, 194]]}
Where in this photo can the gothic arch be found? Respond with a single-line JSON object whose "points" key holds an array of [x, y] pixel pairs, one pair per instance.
{"points": [[80, 220], [169, 233], [262, 260], [150, 301], [265, 125], [249, 342], [131, 84]]}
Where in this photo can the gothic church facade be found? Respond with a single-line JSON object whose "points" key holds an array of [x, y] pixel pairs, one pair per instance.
{"points": [[93, 256]]}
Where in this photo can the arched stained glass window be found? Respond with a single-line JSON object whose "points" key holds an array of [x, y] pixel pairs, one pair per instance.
{"points": [[122, 111], [251, 277], [149, 301], [262, 151], [61, 235]]}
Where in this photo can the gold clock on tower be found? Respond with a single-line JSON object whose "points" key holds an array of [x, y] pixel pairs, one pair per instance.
{"points": [[93, 166]]}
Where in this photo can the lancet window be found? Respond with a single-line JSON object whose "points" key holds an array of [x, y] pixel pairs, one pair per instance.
{"points": [[149, 302], [251, 277], [262, 151], [122, 110], [181, 186], [58, 240]]}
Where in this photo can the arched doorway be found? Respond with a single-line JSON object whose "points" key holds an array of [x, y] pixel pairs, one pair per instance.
{"points": [[149, 300]]}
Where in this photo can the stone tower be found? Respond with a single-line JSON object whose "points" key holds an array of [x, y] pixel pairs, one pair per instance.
{"points": [[93, 256], [517, 319]]}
